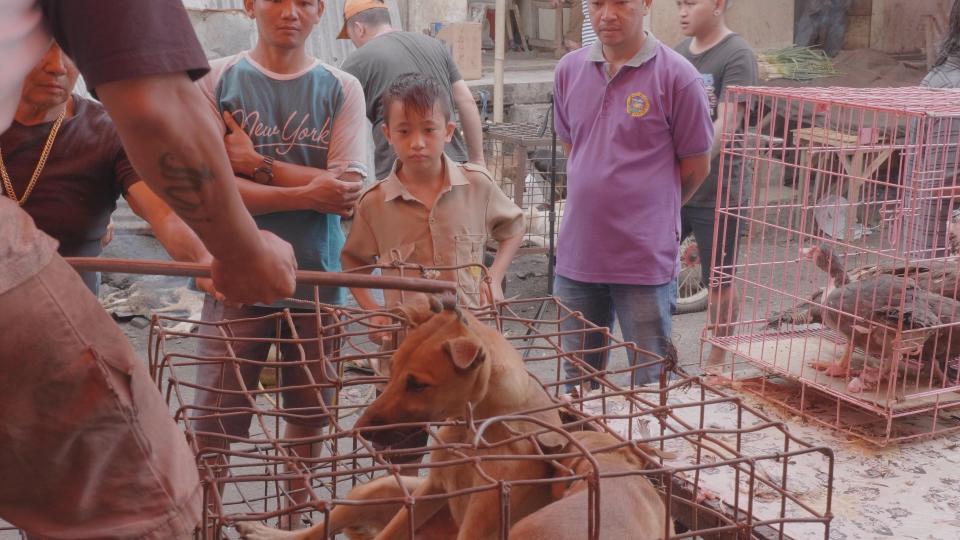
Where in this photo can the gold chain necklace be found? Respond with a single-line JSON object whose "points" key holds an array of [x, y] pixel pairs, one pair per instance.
{"points": [[8, 185]]}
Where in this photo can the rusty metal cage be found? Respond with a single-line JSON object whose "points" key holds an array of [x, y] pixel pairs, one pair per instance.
{"points": [[724, 469], [727, 470], [523, 159], [841, 203]]}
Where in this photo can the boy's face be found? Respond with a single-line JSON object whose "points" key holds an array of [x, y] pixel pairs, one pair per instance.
{"points": [[285, 23], [696, 15], [417, 138]]}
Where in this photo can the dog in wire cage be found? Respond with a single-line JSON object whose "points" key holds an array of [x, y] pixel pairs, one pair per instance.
{"points": [[452, 368]]}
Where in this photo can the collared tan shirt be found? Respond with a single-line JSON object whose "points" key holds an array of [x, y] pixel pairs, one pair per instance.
{"points": [[392, 226]]}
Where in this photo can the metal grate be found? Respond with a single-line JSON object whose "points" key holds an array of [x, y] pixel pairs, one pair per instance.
{"points": [[520, 157], [725, 468]]}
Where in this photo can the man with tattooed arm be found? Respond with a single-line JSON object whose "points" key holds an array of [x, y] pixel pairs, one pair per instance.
{"points": [[87, 447]]}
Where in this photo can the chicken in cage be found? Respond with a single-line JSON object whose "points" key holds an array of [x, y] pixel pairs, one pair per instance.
{"points": [[532, 172], [847, 279]]}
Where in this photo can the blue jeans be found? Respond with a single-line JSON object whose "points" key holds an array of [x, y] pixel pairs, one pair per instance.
{"points": [[643, 311]]}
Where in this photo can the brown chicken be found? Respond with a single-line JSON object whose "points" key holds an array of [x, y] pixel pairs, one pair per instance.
{"points": [[938, 277], [884, 311]]}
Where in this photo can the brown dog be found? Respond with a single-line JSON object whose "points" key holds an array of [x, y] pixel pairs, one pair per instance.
{"points": [[630, 507], [449, 362]]}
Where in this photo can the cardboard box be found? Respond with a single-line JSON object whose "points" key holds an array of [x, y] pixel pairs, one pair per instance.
{"points": [[463, 41]]}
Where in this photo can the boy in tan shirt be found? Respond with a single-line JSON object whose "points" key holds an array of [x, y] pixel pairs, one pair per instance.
{"points": [[430, 211]]}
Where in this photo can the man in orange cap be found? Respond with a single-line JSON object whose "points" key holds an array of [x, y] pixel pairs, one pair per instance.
{"points": [[384, 54]]}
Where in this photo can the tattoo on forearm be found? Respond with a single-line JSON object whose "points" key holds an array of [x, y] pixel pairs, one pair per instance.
{"points": [[184, 186]]}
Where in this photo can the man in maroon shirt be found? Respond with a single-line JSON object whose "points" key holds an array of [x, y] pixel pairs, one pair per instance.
{"points": [[72, 194]]}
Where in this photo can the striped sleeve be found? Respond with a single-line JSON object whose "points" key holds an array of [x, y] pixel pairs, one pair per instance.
{"points": [[208, 85], [587, 35], [348, 141]]}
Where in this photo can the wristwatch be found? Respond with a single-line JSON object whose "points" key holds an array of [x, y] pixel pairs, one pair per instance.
{"points": [[263, 174]]}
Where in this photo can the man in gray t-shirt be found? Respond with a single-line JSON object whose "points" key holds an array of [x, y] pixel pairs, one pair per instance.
{"points": [[723, 59], [382, 55]]}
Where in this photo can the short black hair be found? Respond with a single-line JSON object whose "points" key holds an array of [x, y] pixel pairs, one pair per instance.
{"points": [[418, 92], [372, 17]]}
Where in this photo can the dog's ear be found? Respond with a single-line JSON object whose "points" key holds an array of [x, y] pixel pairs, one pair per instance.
{"points": [[634, 456], [551, 442], [466, 352], [418, 309]]}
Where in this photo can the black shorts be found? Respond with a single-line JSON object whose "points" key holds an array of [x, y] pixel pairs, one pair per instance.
{"points": [[700, 222]]}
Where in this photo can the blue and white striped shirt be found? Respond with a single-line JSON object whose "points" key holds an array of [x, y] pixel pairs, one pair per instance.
{"points": [[587, 35]]}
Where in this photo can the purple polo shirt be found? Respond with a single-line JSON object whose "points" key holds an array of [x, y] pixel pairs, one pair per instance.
{"points": [[621, 224]]}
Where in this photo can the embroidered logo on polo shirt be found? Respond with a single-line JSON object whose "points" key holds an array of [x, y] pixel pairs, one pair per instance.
{"points": [[638, 104]]}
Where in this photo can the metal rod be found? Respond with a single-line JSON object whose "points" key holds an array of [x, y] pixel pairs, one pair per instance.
{"points": [[500, 42], [304, 277], [552, 252]]}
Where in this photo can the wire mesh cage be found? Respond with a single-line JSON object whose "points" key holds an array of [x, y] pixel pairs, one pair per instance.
{"points": [[841, 200], [523, 160], [723, 469]]}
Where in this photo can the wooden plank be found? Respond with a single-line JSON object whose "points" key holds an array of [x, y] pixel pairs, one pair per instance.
{"points": [[858, 33], [861, 8], [463, 40], [790, 356], [898, 26], [423, 13]]}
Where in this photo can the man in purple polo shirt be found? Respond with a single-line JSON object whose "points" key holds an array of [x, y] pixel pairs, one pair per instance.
{"points": [[635, 122]]}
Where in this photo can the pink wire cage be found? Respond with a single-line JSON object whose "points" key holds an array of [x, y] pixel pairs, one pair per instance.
{"points": [[869, 176]]}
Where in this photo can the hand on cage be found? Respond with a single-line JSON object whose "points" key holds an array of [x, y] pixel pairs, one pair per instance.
{"points": [[493, 293], [107, 234], [206, 285], [381, 337], [265, 276]]}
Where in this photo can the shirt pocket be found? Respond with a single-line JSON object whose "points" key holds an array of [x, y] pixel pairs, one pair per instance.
{"points": [[469, 252]]}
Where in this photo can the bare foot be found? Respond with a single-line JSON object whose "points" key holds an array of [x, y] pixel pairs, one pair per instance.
{"points": [[838, 370], [832, 369], [716, 358]]}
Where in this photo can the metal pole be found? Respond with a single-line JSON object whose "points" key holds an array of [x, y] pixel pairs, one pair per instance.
{"points": [[498, 56], [552, 253], [304, 277]]}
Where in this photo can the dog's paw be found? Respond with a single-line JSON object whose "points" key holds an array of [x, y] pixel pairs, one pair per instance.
{"points": [[259, 531]]}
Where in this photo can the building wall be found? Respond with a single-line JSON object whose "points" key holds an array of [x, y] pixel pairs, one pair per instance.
{"points": [[765, 24], [224, 29], [899, 26], [421, 13]]}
